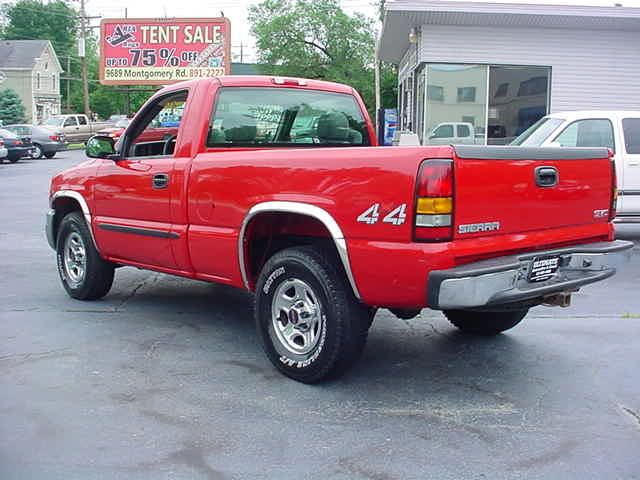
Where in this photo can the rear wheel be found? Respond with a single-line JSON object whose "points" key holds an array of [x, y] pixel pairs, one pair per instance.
{"points": [[485, 323], [36, 151], [49, 154], [310, 324], [84, 274]]}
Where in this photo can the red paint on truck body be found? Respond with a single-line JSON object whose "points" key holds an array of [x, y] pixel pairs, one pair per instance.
{"points": [[213, 189]]}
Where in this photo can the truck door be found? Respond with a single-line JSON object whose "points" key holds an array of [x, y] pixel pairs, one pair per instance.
{"points": [[71, 129], [84, 129], [629, 157], [134, 195]]}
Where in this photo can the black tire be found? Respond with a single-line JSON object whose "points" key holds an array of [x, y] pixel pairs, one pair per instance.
{"points": [[49, 154], [485, 323], [340, 327], [98, 274], [37, 149]]}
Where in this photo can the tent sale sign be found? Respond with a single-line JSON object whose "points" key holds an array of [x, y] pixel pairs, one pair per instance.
{"points": [[163, 51]]}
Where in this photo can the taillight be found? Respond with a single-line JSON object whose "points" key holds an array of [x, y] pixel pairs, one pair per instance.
{"points": [[54, 138], [18, 142], [434, 201], [614, 191]]}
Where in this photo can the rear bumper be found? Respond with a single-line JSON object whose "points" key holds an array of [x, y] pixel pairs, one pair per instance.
{"points": [[503, 280]]}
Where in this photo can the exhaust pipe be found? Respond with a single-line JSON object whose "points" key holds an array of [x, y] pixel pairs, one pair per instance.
{"points": [[562, 299]]}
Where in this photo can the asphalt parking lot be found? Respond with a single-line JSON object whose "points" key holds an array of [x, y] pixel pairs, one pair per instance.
{"points": [[165, 379]]}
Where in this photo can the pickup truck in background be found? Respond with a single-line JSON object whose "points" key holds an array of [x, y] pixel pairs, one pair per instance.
{"points": [[616, 130], [275, 185], [75, 128], [455, 133]]}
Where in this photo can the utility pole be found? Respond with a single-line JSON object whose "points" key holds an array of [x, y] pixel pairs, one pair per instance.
{"points": [[83, 58], [241, 52], [68, 83]]}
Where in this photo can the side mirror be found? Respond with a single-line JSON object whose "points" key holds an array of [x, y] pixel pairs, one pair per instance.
{"points": [[100, 146]]}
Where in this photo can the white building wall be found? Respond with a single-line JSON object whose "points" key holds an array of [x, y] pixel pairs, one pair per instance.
{"points": [[590, 69]]}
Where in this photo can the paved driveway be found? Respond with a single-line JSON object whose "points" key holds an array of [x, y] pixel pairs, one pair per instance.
{"points": [[164, 379]]}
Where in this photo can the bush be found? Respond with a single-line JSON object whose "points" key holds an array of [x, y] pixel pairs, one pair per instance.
{"points": [[11, 107]]}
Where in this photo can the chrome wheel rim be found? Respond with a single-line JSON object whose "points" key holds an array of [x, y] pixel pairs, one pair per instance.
{"points": [[36, 152], [297, 316], [75, 258]]}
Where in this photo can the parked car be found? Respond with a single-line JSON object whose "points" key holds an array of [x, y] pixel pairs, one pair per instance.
{"points": [[117, 130], [327, 231], [3, 150], [16, 147], [46, 142], [454, 133], [617, 130], [76, 128]]}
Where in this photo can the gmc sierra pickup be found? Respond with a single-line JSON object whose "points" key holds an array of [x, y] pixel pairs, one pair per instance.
{"points": [[275, 185]]}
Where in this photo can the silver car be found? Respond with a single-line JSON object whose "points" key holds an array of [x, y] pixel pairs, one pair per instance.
{"points": [[46, 142]]}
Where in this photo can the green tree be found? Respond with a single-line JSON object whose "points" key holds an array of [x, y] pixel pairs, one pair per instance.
{"points": [[35, 20], [11, 107], [313, 39]]}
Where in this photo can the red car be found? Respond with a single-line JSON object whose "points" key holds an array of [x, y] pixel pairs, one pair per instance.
{"points": [[276, 186]]}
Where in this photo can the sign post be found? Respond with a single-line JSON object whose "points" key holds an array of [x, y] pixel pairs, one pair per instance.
{"points": [[163, 51]]}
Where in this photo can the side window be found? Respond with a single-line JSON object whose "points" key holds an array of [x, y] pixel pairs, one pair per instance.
{"points": [[463, 131], [443, 131], [631, 129], [155, 134], [281, 117], [82, 119], [587, 133], [70, 122]]}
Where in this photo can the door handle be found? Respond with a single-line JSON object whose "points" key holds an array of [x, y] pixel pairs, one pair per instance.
{"points": [[161, 180], [546, 176]]}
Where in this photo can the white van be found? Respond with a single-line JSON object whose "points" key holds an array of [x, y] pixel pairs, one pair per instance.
{"points": [[617, 130]]}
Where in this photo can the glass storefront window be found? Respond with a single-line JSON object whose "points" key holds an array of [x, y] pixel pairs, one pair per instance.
{"points": [[455, 104], [518, 98]]}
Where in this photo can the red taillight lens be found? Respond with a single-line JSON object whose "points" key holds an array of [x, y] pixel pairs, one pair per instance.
{"points": [[18, 142], [434, 201], [614, 191], [54, 138], [435, 179]]}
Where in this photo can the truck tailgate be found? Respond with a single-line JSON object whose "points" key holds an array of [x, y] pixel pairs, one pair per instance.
{"points": [[507, 190]]}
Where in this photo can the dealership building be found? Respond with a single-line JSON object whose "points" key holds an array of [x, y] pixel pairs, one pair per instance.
{"points": [[483, 73]]}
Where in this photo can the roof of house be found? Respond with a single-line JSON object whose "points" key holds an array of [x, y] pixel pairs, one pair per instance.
{"points": [[402, 15], [23, 53]]}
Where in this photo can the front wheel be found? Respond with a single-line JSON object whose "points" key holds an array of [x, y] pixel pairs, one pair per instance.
{"points": [[485, 323], [84, 274], [308, 320]]}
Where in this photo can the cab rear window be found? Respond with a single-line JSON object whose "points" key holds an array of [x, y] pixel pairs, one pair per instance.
{"points": [[281, 117]]}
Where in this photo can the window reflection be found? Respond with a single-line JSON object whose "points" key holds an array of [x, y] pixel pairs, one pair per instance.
{"points": [[518, 98]]}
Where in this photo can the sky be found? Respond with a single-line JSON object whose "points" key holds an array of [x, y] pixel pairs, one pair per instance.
{"points": [[237, 11]]}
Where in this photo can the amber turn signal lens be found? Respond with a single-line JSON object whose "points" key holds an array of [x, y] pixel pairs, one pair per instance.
{"points": [[434, 206]]}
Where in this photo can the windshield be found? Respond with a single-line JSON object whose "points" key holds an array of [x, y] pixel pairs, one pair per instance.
{"points": [[537, 133], [54, 121]]}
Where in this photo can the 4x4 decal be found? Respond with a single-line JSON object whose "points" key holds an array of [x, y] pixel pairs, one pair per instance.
{"points": [[370, 216]]}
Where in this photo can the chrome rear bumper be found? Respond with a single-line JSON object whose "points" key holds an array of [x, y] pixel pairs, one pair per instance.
{"points": [[503, 280]]}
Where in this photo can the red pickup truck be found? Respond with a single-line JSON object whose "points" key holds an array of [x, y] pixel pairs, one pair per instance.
{"points": [[275, 185]]}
